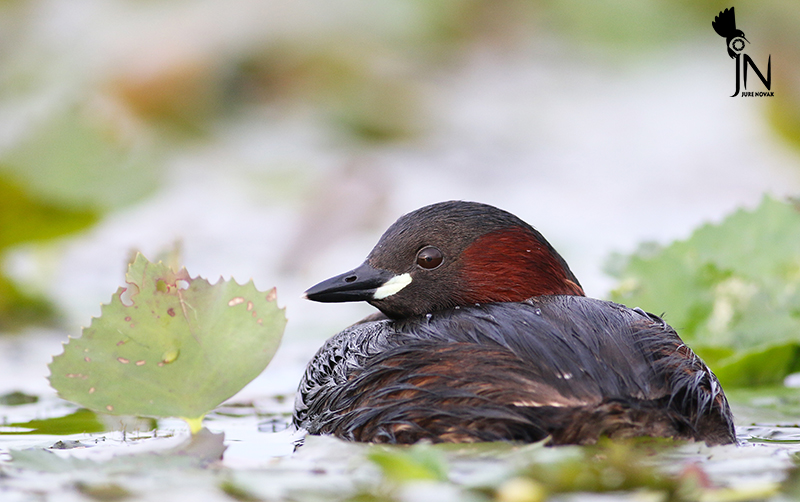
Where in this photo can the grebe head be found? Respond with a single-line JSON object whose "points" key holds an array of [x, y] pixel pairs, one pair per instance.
{"points": [[450, 254]]}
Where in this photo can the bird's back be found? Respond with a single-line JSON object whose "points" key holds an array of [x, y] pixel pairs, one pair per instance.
{"points": [[569, 367]]}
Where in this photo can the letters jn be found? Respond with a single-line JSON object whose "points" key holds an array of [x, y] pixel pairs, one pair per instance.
{"points": [[725, 26]]}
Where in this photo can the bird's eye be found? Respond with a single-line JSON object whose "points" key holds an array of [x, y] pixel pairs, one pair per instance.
{"points": [[429, 257]]}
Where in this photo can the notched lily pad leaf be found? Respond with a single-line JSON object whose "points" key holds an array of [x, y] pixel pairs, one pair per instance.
{"points": [[170, 345]]}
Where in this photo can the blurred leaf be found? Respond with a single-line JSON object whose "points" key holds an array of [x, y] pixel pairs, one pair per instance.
{"points": [[784, 115], [103, 491], [791, 484], [777, 404], [58, 179], [17, 308], [712, 354], [764, 366], [42, 460], [81, 422], [183, 94], [87, 157], [620, 26], [237, 492], [733, 288], [175, 347], [521, 489], [200, 450], [338, 77], [607, 466], [17, 398], [415, 463], [24, 217], [377, 109]]}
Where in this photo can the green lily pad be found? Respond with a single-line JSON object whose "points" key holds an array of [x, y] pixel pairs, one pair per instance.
{"points": [[732, 290], [762, 366], [172, 346], [80, 422], [79, 158]]}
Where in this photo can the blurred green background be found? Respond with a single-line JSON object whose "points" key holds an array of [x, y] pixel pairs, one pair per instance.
{"points": [[277, 139]]}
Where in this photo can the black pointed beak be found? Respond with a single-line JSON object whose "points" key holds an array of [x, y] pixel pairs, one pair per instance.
{"points": [[359, 284]]}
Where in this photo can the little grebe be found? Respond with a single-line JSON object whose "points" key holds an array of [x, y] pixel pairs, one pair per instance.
{"points": [[485, 334]]}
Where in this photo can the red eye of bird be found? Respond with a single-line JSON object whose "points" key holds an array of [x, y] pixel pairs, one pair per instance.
{"points": [[429, 257]]}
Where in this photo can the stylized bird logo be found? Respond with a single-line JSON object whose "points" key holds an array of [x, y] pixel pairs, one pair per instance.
{"points": [[725, 26]]}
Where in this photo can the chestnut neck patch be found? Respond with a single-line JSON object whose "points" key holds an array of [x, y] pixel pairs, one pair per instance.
{"points": [[512, 265]]}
